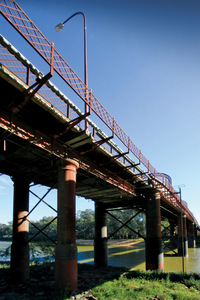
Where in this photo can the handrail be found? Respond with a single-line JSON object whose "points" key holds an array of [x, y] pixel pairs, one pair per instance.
{"points": [[11, 11], [22, 23]]}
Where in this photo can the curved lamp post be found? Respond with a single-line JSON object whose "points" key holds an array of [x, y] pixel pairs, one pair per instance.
{"points": [[60, 27]]}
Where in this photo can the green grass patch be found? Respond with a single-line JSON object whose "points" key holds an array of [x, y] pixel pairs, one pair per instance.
{"points": [[150, 285]]}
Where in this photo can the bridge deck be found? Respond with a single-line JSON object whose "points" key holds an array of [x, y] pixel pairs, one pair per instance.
{"points": [[37, 133]]}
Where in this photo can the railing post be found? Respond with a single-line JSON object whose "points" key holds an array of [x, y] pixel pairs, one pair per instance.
{"points": [[27, 75], [52, 59]]}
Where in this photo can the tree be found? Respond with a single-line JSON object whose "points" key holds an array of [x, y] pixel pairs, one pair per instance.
{"points": [[5, 232], [85, 224], [137, 224], [50, 230]]}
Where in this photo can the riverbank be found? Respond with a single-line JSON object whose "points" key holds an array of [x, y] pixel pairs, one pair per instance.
{"points": [[102, 283], [117, 243]]}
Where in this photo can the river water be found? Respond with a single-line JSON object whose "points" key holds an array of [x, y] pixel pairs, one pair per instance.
{"points": [[133, 257]]}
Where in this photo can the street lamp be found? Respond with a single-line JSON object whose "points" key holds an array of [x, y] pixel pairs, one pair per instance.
{"points": [[60, 27]]}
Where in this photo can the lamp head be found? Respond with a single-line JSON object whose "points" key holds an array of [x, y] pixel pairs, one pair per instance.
{"points": [[59, 27]]}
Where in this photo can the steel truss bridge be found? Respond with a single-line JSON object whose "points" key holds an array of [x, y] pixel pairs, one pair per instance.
{"points": [[40, 126]]}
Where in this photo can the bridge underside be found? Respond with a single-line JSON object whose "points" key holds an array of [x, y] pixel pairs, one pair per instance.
{"points": [[26, 151], [30, 155]]}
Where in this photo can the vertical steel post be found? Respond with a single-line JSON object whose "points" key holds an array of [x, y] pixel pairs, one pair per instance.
{"points": [[20, 246], [27, 75], [66, 274], [154, 247], [100, 241]]}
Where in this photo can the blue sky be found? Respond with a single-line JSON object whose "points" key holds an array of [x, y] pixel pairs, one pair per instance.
{"points": [[143, 66]]}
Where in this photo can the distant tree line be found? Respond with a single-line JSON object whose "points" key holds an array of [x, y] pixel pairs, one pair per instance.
{"points": [[85, 226]]}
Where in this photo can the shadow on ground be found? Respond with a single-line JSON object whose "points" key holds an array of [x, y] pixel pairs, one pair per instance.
{"points": [[41, 284]]}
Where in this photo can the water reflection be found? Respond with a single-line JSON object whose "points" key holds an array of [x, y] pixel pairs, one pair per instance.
{"points": [[191, 263]]}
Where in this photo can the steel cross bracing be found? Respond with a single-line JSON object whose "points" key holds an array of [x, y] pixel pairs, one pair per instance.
{"points": [[22, 23]]}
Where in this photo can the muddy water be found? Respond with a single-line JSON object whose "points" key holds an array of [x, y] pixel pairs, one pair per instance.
{"points": [[133, 257]]}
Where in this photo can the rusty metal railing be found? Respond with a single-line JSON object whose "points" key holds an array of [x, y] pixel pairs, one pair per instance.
{"points": [[23, 24], [16, 66]]}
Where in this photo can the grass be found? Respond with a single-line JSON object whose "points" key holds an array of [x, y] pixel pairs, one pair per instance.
{"points": [[150, 285]]}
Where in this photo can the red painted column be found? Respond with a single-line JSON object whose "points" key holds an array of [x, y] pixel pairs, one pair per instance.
{"points": [[66, 273], [20, 246], [154, 246], [100, 241], [182, 236]]}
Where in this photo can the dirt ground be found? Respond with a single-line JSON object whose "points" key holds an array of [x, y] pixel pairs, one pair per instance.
{"points": [[41, 284]]}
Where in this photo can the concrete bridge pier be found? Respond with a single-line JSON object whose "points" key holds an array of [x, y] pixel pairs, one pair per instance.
{"points": [[20, 246], [191, 235], [100, 241], [66, 269], [182, 236], [154, 246]]}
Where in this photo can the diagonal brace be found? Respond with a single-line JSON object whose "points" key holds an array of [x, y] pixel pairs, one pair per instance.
{"points": [[41, 231], [72, 123], [114, 158], [41, 200], [30, 92], [168, 246], [77, 120], [97, 144], [125, 224]]}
